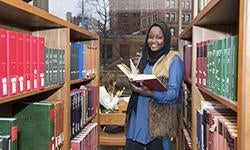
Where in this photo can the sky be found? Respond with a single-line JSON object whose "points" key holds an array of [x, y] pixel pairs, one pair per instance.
{"points": [[60, 7]]}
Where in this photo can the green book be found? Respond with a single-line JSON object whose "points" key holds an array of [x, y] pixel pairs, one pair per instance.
{"points": [[234, 48], [46, 67], [8, 127], [36, 125]]}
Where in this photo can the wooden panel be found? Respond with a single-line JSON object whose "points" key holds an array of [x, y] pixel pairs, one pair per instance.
{"points": [[217, 12], [227, 102], [244, 77], [91, 77], [112, 118]]}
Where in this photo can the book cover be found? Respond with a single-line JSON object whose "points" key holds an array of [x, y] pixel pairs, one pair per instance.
{"points": [[26, 61], [11, 62], [3, 62], [148, 80], [36, 125], [19, 57], [33, 62], [40, 62], [58, 121], [8, 127]]}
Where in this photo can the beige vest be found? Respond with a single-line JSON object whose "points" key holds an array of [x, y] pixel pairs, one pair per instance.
{"points": [[163, 118]]}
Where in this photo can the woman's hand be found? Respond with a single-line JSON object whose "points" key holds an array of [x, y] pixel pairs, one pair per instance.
{"points": [[142, 90], [119, 93]]}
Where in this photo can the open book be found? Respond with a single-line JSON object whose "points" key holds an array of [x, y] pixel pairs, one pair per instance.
{"points": [[149, 80]]}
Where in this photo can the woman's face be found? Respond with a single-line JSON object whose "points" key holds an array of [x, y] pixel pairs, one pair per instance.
{"points": [[155, 38]]}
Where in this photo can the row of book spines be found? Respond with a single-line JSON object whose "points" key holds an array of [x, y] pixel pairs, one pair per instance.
{"points": [[216, 129], [28, 128], [86, 139], [21, 62], [216, 66], [187, 58], [222, 67], [83, 107], [54, 66], [83, 60], [186, 139]]}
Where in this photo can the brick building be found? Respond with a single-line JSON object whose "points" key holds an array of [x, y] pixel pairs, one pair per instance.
{"points": [[130, 19]]}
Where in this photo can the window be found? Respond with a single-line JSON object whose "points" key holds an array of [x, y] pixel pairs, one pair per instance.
{"points": [[167, 17], [124, 51], [186, 17], [170, 17], [155, 18], [107, 51], [187, 5], [172, 31], [172, 3], [167, 3]]}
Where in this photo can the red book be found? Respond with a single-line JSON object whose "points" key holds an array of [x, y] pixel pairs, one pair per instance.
{"points": [[209, 115], [33, 62], [148, 80], [26, 61], [3, 62], [20, 66], [76, 144], [11, 63], [218, 137], [232, 134], [221, 140], [40, 61], [198, 71]]}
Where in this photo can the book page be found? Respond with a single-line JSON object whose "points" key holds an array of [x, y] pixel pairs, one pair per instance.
{"points": [[133, 68], [125, 70]]}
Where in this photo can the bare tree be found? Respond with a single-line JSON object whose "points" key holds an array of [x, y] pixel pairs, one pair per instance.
{"points": [[99, 9]]}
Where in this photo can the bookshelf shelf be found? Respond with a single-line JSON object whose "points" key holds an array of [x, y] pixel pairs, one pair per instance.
{"points": [[227, 102], [217, 12], [91, 118], [91, 77], [30, 93]]}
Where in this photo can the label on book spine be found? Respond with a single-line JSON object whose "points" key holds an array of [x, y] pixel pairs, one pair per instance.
{"points": [[14, 133], [21, 84], [4, 81]]}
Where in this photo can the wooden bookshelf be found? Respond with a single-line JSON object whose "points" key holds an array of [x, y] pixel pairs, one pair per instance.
{"points": [[227, 102], [89, 78], [219, 12], [218, 19], [19, 16], [12, 98]]}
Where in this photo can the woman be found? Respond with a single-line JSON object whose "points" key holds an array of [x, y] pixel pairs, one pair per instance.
{"points": [[108, 100], [153, 115]]}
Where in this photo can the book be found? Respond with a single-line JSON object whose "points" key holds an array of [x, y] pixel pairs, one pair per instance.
{"points": [[148, 80], [9, 133], [35, 125]]}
